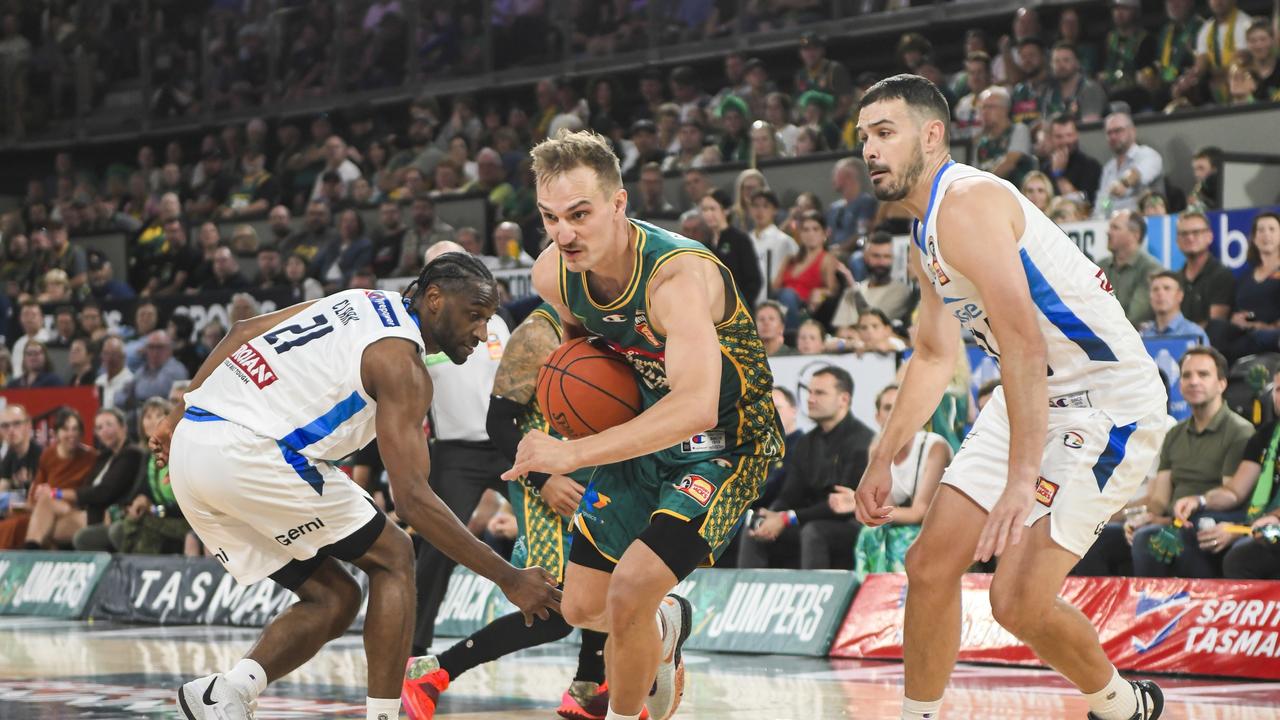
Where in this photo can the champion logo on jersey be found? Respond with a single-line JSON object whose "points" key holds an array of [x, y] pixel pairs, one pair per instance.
{"points": [[382, 306], [616, 317], [251, 366]]}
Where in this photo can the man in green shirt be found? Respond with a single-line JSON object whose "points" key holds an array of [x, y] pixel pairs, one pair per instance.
{"points": [[1130, 267], [1199, 454]]}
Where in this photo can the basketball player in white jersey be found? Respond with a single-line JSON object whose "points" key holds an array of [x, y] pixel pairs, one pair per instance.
{"points": [[1058, 449], [251, 453]]}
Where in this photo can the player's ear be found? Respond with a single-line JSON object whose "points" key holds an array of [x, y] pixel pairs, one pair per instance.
{"points": [[620, 201]]}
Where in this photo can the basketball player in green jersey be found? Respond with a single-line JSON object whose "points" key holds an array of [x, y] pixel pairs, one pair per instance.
{"points": [[542, 505], [670, 485]]}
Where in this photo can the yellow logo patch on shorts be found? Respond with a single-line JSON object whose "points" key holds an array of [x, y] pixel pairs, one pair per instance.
{"points": [[697, 487], [1045, 492]]}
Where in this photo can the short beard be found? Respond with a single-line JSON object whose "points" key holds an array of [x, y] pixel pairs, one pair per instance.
{"points": [[909, 179]]}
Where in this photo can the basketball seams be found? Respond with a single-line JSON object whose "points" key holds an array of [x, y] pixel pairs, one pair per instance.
{"points": [[554, 393]]}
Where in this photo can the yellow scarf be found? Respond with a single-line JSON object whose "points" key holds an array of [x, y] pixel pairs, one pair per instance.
{"points": [[1221, 57]]}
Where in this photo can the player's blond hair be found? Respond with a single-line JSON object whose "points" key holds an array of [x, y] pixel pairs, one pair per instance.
{"points": [[569, 150]]}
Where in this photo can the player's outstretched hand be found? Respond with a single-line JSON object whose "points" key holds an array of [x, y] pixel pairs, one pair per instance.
{"points": [[873, 494], [160, 440], [533, 590], [1006, 522], [539, 452]]}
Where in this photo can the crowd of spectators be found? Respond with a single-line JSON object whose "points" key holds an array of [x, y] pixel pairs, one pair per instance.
{"points": [[350, 199]]}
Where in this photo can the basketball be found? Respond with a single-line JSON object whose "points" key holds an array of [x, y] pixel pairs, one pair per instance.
{"points": [[584, 388]]}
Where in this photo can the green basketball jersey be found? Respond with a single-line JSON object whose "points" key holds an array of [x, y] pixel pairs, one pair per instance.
{"points": [[748, 422]]}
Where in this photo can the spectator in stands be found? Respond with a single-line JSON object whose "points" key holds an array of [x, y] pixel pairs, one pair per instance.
{"points": [[879, 290], [63, 468], [301, 285], [337, 158], [1248, 495], [210, 335], [181, 330], [64, 327], [822, 74], [208, 240], [1132, 171], [243, 306], [748, 183], [387, 240], [832, 453], [90, 324], [1242, 84], [158, 373], [849, 217], [1129, 49], [1209, 286], [756, 88], [67, 257], [108, 482], [777, 112], [115, 378], [315, 235], [80, 367], [688, 146], [770, 326], [1219, 42], [815, 109], [152, 521], [644, 149], [1006, 69], [146, 318], [696, 186], [37, 369], [735, 140], [1206, 167], [1025, 100], [810, 338], [1153, 204], [270, 269], [765, 143], [280, 220], [650, 201], [875, 333], [916, 469], [808, 278], [1255, 558], [1262, 58], [173, 265], [211, 181], [1071, 92], [1130, 267], [426, 231], [244, 241], [773, 247], [258, 189], [1198, 455], [102, 284], [19, 265], [1175, 49], [55, 288], [22, 452], [966, 124], [1037, 188], [1255, 322], [491, 178], [226, 273], [1004, 147]]}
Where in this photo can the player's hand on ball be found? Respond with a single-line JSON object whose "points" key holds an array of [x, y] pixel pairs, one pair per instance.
{"points": [[872, 495], [1006, 522], [533, 590], [540, 452], [563, 494]]}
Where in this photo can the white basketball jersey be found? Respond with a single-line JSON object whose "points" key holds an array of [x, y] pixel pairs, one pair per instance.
{"points": [[299, 383], [1096, 358]]}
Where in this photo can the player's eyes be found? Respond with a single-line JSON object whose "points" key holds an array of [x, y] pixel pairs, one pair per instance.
{"points": [[580, 215]]}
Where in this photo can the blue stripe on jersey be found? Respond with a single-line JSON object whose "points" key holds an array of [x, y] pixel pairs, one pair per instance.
{"points": [[933, 197], [315, 431], [1061, 316], [324, 425], [1113, 453], [303, 467], [196, 414]]}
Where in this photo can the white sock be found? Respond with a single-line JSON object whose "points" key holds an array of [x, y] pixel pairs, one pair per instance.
{"points": [[1116, 701], [615, 715], [917, 710], [248, 677], [382, 708]]}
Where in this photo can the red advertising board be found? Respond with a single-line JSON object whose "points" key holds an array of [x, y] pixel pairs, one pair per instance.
{"points": [[42, 405], [1167, 625]]}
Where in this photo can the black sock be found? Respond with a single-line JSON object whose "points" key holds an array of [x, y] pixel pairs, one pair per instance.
{"points": [[501, 637], [591, 657]]}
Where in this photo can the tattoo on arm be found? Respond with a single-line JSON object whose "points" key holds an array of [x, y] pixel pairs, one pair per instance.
{"points": [[530, 346]]}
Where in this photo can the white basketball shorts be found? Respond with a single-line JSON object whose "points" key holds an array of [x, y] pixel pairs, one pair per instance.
{"points": [[1091, 467], [255, 510]]}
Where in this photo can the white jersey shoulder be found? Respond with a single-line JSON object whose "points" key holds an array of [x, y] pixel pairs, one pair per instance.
{"points": [[1096, 358], [299, 382]]}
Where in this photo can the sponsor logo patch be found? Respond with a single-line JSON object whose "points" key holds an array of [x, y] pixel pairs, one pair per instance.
{"points": [[382, 306], [1078, 399], [252, 366], [1073, 439], [711, 440], [697, 487], [287, 538], [935, 267], [1046, 491], [642, 327], [595, 498]]}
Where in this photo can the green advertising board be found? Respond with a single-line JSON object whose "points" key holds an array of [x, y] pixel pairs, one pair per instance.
{"points": [[786, 612], [49, 584]]}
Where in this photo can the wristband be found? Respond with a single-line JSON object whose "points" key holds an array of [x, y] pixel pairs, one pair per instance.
{"points": [[792, 520], [1204, 501], [1055, 174], [57, 493]]}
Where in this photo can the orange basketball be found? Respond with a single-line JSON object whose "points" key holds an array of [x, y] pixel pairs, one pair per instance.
{"points": [[585, 388]]}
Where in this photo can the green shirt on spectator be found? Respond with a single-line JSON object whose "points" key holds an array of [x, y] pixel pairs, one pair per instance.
{"points": [[1199, 460], [1130, 284]]}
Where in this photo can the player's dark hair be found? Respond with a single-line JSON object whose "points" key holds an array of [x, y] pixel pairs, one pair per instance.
{"points": [[920, 95], [844, 381], [449, 271]]}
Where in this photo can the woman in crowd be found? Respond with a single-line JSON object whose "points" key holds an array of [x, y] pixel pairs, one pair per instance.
{"points": [[875, 333], [730, 244], [1255, 324], [152, 522], [1037, 187], [37, 370], [745, 187], [63, 468], [808, 278], [108, 482], [765, 143], [810, 338], [916, 471]]}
